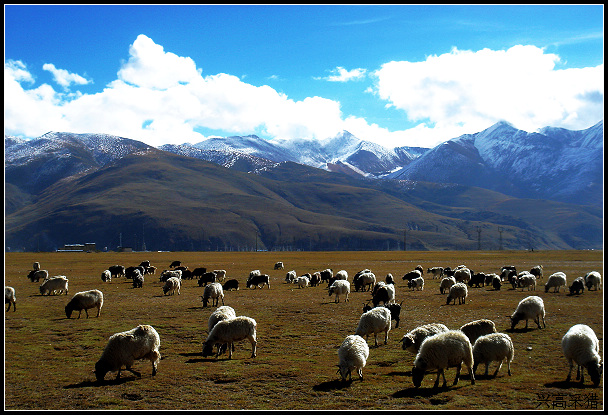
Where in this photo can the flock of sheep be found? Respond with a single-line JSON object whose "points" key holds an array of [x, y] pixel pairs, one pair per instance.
{"points": [[436, 347]]}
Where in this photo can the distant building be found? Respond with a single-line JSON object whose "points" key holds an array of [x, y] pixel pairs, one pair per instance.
{"points": [[86, 247]]}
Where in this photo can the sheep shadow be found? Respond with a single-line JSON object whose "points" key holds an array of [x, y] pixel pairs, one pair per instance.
{"points": [[562, 384], [423, 392], [332, 385], [94, 383], [200, 358]]}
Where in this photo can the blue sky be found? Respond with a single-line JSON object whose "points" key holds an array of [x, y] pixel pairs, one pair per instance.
{"points": [[396, 75]]}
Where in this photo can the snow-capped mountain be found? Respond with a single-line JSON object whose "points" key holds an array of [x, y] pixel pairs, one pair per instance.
{"points": [[554, 163]]}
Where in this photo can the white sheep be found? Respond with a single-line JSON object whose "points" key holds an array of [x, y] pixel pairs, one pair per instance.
{"points": [[142, 342], [375, 321], [85, 300], [531, 307], [580, 346], [55, 284], [215, 292], [416, 283], [364, 280], [290, 276], [342, 275], [443, 350], [555, 281], [302, 281], [36, 266], [593, 279], [446, 283], [493, 347], [462, 274], [537, 271], [477, 328], [10, 298], [221, 313], [352, 355], [458, 291], [413, 339], [106, 276], [171, 285], [527, 280], [220, 274], [230, 331], [340, 287]]}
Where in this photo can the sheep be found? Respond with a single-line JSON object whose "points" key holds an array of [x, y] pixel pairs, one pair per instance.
{"points": [[55, 284], [315, 279], [187, 274], [258, 280], [254, 273], [477, 328], [151, 269], [416, 283], [593, 279], [231, 285], [175, 264], [342, 275], [230, 331], [166, 274], [493, 347], [457, 291], [555, 281], [477, 280], [527, 280], [117, 271], [382, 293], [10, 298], [220, 274], [106, 276], [130, 272], [531, 307], [215, 292], [389, 279], [412, 274], [537, 271], [413, 339], [84, 300], [340, 287], [373, 322], [463, 275], [496, 282], [327, 275], [394, 308], [36, 266], [352, 355], [171, 285], [138, 279], [279, 265], [490, 278], [365, 280], [142, 342], [206, 278], [446, 283], [290, 276], [221, 313], [302, 281], [37, 275], [507, 272], [198, 272], [144, 264], [443, 350], [580, 346], [578, 285], [437, 272]]}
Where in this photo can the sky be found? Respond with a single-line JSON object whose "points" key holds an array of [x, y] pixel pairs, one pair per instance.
{"points": [[396, 75]]}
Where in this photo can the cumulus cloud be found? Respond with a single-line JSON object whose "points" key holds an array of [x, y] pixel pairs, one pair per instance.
{"points": [[342, 75], [63, 77]]}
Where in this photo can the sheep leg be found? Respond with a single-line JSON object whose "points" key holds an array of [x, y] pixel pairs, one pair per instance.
{"points": [[457, 373], [471, 374], [570, 371], [79, 312], [376, 339], [360, 372], [386, 337], [136, 373], [86, 312], [253, 346], [498, 368], [487, 364], [98, 310]]}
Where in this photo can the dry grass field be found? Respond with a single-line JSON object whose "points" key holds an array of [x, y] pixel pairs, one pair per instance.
{"points": [[49, 359]]}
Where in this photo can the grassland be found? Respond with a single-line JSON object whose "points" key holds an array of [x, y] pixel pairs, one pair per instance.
{"points": [[49, 359]]}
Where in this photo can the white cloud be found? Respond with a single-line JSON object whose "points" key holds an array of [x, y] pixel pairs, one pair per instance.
{"points": [[63, 77], [342, 75]]}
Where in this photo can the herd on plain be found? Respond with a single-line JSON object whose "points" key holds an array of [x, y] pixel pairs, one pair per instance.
{"points": [[435, 347]]}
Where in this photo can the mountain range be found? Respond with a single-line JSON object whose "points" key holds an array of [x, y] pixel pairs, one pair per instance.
{"points": [[499, 188]]}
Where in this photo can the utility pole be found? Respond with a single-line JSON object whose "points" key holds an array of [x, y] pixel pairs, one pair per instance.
{"points": [[405, 239], [479, 238], [500, 238]]}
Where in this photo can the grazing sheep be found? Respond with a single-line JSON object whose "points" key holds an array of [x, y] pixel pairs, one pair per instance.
{"points": [[37, 275], [279, 265], [220, 274], [490, 278], [206, 278], [106, 276], [352, 355], [259, 280], [463, 275], [221, 313], [340, 287], [446, 283], [373, 322], [138, 279], [437, 272], [527, 280], [477, 328], [117, 271], [142, 342], [302, 281], [496, 282], [413, 339], [443, 350], [384, 293], [507, 272], [175, 264], [10, 298], [364, 280], [36, 266], [198, 272], [290, 276], [412, 274], [580, 346], [57, 284], [315, 279], [531, 307], [215, 292], [578, 286], [85, 300], [477, 280], [230, 331], [152, 270], [555, 281], [231, 285], [593, 279], [171, 285], [327, 275], [389, 279], [130, 272], [166, 274], [341, 275], [493, 347], [416, 283], [537, 271], [457, 291]]}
